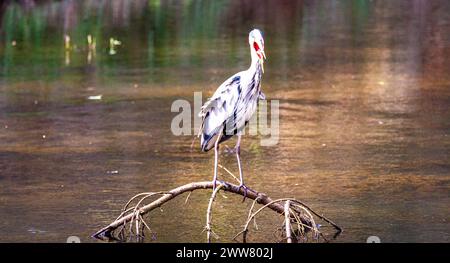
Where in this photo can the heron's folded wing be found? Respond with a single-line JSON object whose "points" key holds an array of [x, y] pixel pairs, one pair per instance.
{"points": [[220, 106]]}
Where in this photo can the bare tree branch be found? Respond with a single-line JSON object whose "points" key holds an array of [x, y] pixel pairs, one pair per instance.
{"points": [[134, 211], [209, 214], [287, 219]]}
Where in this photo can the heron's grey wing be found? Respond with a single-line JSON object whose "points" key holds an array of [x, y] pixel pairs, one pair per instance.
{"points": [[218, 109]]}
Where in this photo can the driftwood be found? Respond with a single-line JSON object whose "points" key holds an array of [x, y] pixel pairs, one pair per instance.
{"points": [[298, 217]]}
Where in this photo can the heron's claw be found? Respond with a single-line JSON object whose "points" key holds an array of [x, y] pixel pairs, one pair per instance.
{"points": [[243, 186], [214, 184], [222, 182]]}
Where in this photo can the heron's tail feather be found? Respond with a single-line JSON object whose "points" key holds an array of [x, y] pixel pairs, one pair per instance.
{"points": [[207, 142]]}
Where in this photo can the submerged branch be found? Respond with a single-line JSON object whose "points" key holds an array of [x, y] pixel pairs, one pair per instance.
{"points": [[134, 214]]}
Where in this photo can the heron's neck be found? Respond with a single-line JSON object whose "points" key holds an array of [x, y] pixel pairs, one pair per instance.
{"points": [[256, 63]]}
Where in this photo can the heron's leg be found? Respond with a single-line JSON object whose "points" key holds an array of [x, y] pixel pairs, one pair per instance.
{"points": [[216, 159], [241, 174], [238, 153]]}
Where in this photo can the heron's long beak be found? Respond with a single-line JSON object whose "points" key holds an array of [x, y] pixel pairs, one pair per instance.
{"points": [[262, 59]]}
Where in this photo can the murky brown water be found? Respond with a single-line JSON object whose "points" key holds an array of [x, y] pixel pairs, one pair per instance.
{"points": [[364, 90]]}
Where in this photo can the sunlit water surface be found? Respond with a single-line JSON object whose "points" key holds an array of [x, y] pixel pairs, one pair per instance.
{"points": [[364, 91]]}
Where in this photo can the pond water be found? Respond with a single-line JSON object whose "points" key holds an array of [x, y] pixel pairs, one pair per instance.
{"points": [[364, 93]]}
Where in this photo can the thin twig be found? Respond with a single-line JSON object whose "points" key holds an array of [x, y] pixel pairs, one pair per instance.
{"points": [[319, 215], [209, 213], [314, 226], [187, 197], [250, 211], [249, 219], [229, 172], [287, 220], [136, 196]]}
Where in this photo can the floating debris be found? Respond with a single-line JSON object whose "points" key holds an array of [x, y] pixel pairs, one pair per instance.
{"points": [[89, 57], [67, 58], [35, 231], [112, 45], [91, 42], [381, 83], [96, 97], [112, 172], [67, 47], [91, 48], [114, 42], [43, 136], [13, 43], [67, 42]]}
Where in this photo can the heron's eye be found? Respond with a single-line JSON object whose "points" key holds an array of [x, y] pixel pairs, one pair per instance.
{"points": [[255, 46]]}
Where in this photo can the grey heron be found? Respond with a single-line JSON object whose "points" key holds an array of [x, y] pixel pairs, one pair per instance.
{"points": [[228, 111]]}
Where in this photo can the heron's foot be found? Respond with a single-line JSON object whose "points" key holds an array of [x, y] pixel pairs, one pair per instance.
{"points": [[224, 183], [243, 186]]}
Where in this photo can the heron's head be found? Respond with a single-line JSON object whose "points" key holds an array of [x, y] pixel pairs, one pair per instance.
{"points": [[256, 42]]}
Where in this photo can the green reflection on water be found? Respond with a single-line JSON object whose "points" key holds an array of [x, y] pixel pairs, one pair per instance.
{"points": [[153, 35]]}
